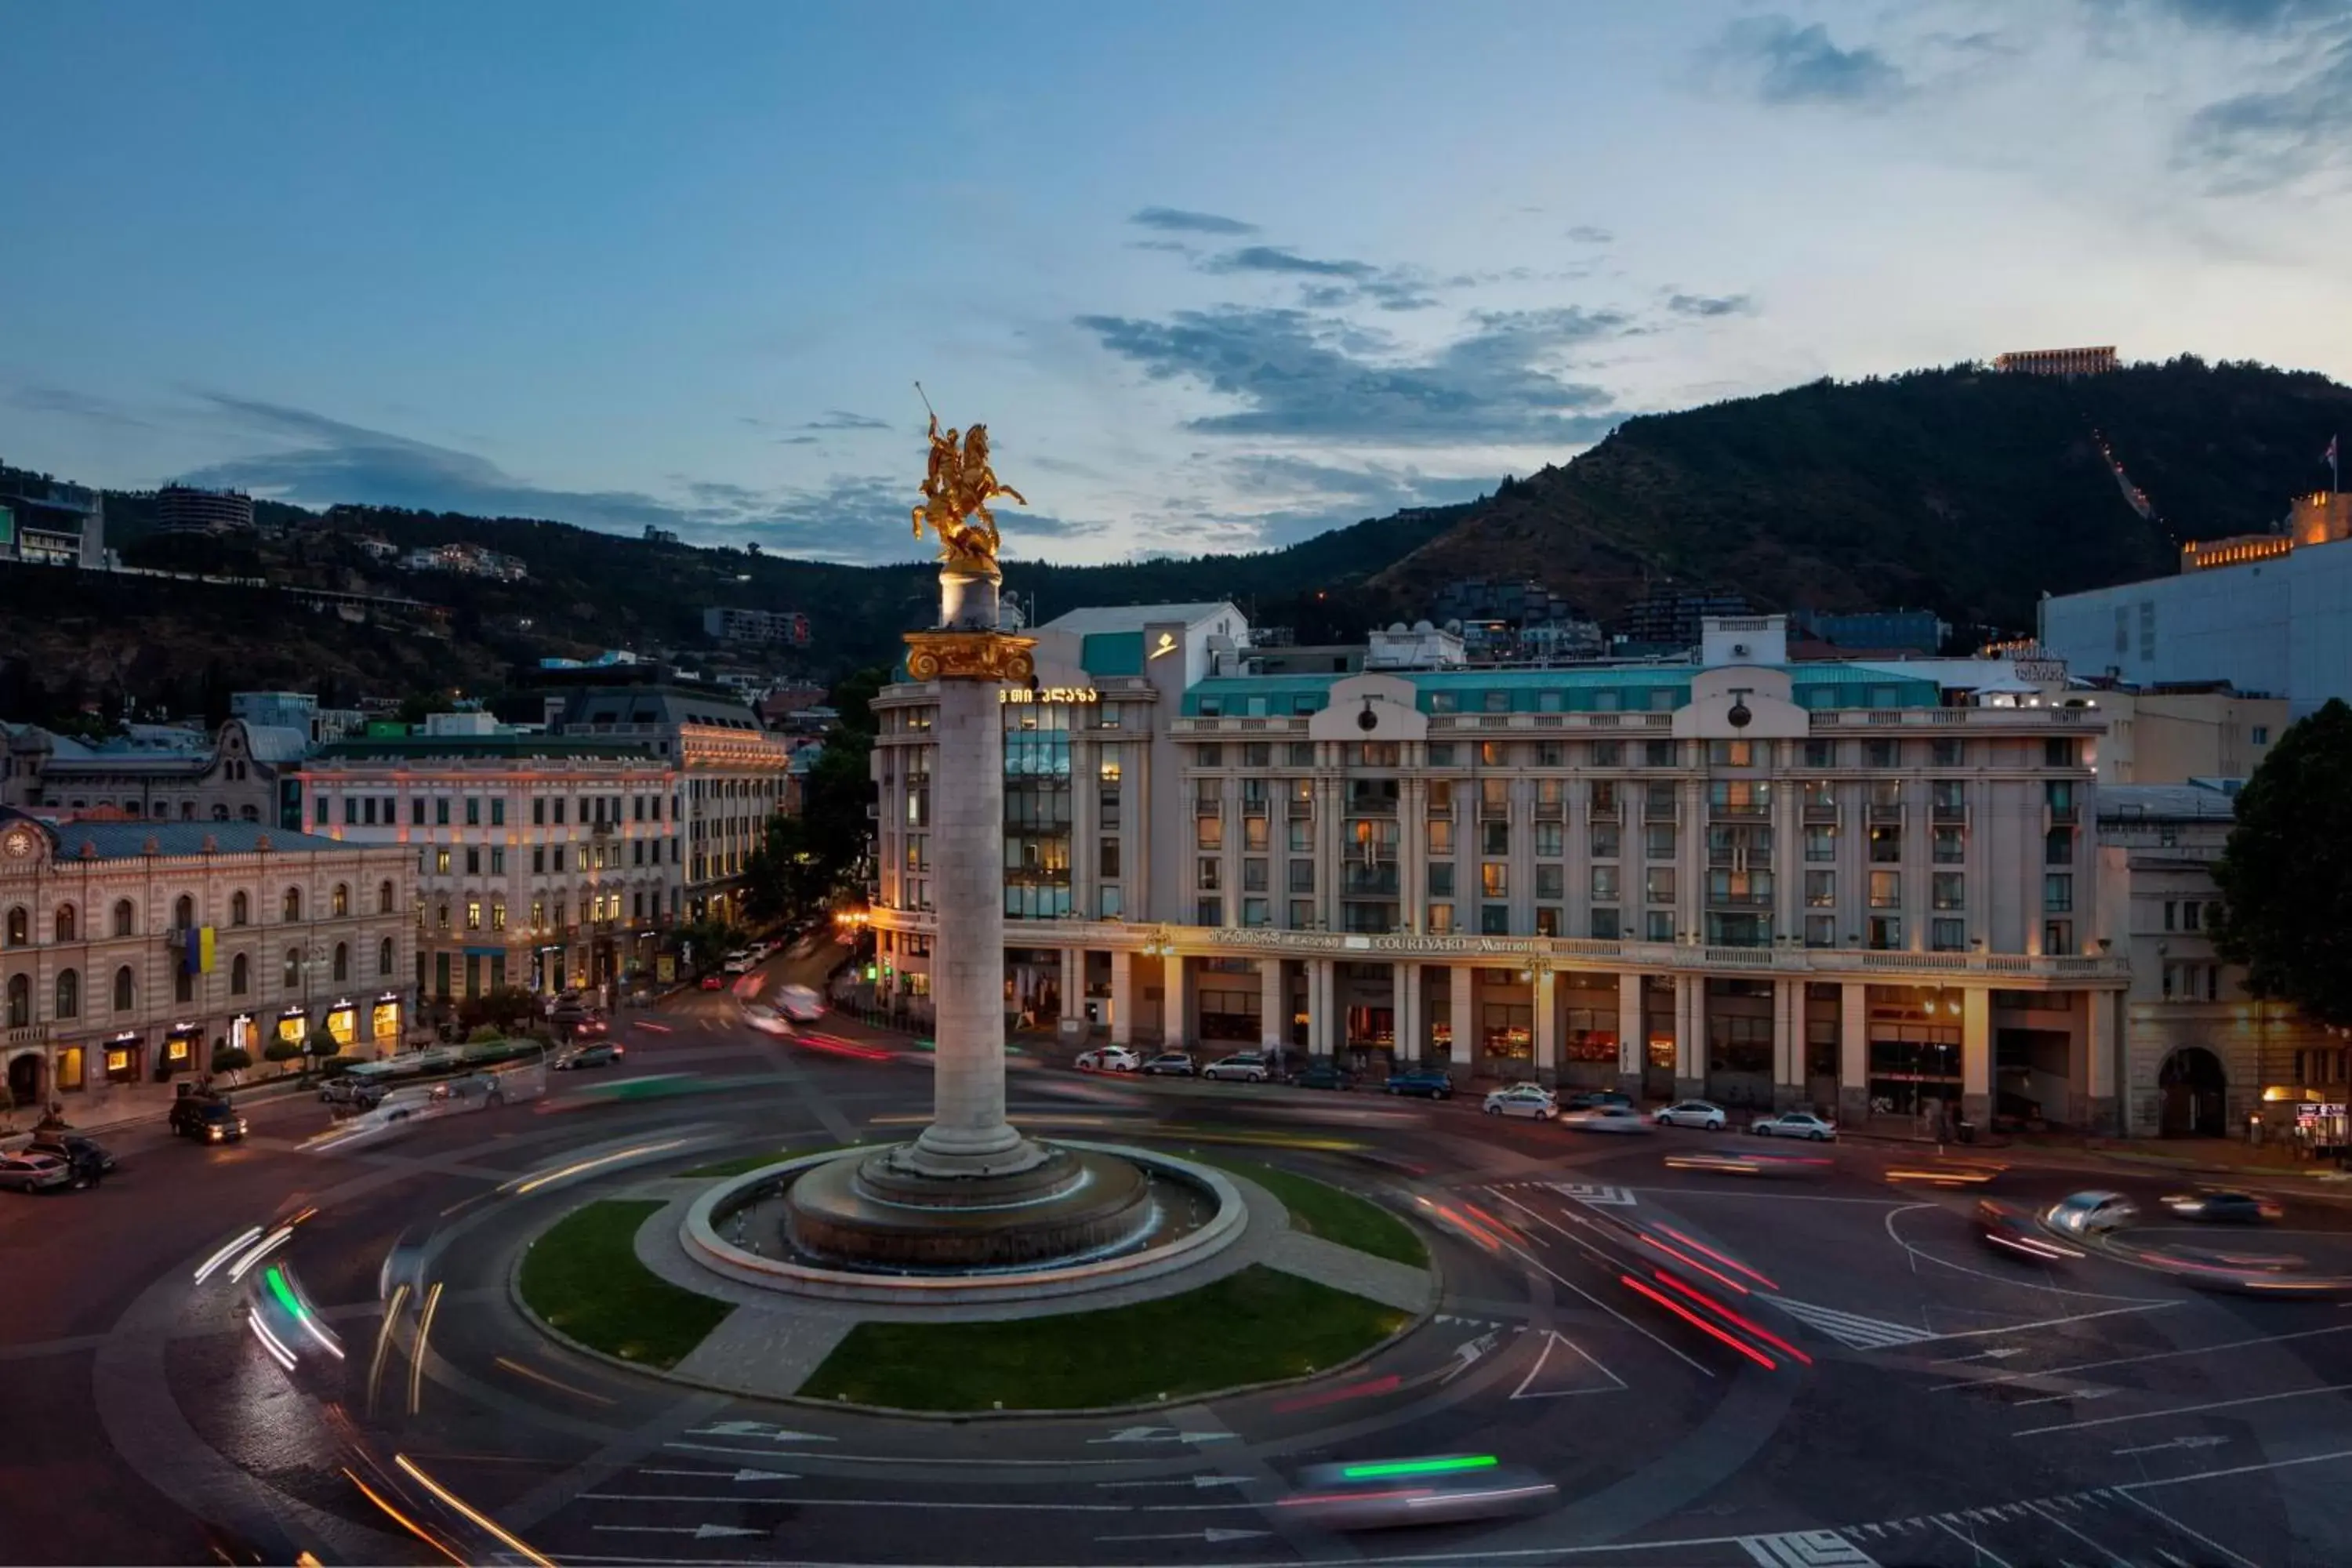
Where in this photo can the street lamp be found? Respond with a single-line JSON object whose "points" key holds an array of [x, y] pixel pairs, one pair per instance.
{"points": [[1161, 943]]}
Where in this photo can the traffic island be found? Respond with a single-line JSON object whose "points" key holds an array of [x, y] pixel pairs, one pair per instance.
{"points": [[1321, 1281]]}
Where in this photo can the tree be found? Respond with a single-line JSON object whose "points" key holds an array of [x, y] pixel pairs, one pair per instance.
{"points": [[228, 1058], [2287, 873], [281, 1050], [322, 1045]]}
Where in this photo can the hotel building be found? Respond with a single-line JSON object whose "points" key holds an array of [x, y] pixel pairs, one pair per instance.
{"points": [[1832, 884]]}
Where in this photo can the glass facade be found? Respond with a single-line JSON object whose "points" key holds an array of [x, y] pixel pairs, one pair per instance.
{"points": [[1036, 810]]}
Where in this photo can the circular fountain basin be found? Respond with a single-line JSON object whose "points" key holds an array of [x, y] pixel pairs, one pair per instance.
{"points": [[847, 1226]]}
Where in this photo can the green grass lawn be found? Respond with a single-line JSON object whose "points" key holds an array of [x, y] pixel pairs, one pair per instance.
{"points": [[1321, 1209], [582, 1276], [1255, 1326]]}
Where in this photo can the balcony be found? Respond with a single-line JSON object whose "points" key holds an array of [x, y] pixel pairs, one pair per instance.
{"points": [[1551, 811], [1493, 811], [1882, 814], [1739, 811], [1373, 806], [1657, 810], [1948, 813], [1605, 811]]}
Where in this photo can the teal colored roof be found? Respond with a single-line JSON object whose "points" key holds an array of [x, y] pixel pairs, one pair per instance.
{"points": [[1631, 689], [397, 748], [129, 840], [1107, 654]]}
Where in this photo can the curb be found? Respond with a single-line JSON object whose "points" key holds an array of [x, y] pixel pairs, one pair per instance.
{"points": [[1414, 1324]]}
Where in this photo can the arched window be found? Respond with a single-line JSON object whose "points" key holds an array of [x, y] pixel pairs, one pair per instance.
{"points": [[342, 905], [183, 984], [240, 908], [126, 918], [240, 976], [20, 925], [68, 994], [383, 957], [65, 923], [220, 813], [293, 910], [342, 960], [187, 811], [20, 1001], [183, 914], [383, 898], [293, 969], [249, 813], [124, 989]]}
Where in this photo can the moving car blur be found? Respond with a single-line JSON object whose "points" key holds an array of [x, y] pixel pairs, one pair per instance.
{"points": [[2224, 1207], [1384, 1494]]}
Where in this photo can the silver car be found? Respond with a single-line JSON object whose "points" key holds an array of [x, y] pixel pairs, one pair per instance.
{"points": [[1523, 1100], [1248, 1066], [1606, 1119], [27, 1172], [1704, 1114]]}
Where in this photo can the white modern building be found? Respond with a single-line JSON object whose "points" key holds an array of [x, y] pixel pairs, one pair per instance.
{"points": [[1852, 885], [2269, 614]]}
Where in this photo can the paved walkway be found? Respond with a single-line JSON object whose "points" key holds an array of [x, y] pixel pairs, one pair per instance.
{"points": [[772, 1344]]}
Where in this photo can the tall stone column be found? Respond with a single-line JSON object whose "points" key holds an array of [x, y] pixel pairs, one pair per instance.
{"points": [[1853, 1051], [1273, 1005], [1632, 1034], [2103, 1103], [1412, 1016], [1546, 1006], [1122, 996], [1788, 1043], [1690, 1034], [1976, 1056], [971, 660], [1462, 982]]}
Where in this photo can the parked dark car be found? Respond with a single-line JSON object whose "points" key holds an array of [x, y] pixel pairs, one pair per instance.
{"points": [[86, 1155], [2216, 1208], [1594, 1099], [1323, 1074], [1430, 1083], [208, 1119]]}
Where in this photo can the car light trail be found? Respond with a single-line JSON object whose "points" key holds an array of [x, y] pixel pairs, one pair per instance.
{"points": [[384, 1342], [1341, 1395], [1717, 1275], [1383, 1469], [416, 1350], [270, 1341], [535, 1375], [278, 1288], [583, 1166], [205, 1270], [259, 1250], [1685, 1313], [401, 1519], [657, 1028], [838, 1047], [1720, 1311], [511, 1542], [1697, 1245]]}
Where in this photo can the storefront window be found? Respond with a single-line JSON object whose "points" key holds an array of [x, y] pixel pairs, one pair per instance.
{"points": [[343, 1024], [69, 1068], [384, 1026], [294, 1026]]}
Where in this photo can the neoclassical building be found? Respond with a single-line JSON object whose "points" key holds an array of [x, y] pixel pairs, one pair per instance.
{"points": [[128, 948], [1868, 887]]}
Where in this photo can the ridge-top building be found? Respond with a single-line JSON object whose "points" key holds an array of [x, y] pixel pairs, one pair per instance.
{"points": [[1859, 886]]}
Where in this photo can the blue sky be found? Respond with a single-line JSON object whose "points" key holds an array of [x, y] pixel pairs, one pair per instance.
{"points": [[1215, 275]]}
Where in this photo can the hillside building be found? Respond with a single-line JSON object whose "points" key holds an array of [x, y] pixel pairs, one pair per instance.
{"points": [[466, 559], [1845, 886], [183, 508], [241, 773], [786, 628], [127, 949], [2274, 619], [2056, 362], [2174, 734], [46, 522], [1671, 622], [1908, 631]]}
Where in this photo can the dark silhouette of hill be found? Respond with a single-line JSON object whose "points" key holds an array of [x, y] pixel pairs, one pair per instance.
{"points": [[1962, 490]]}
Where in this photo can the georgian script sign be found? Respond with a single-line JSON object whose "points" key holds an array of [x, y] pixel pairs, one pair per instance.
{"points": [[1072, 694]]}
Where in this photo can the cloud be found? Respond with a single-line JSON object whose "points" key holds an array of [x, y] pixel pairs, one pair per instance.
{"points": [[1299, 375], [1783, 63], [1705, 305], [1389, 288], [318, 460], [841, 420], [75, 404], [1589, 234], [1176, 220], [2249, 15], [2268, 138]]}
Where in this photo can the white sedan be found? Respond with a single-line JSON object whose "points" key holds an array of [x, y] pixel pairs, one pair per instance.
{"points": [[1523, 1100], [1606, 1119], [1108, 1058], [1248, 1067], [1794, 1124], [27, 1172], [766, 1019], [1703, 1114]]}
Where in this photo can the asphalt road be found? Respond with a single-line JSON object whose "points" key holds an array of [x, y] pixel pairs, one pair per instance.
{"points": [[1905, 1397]]}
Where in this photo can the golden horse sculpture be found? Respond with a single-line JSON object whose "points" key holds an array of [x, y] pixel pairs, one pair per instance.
{"points": [[956, 492]]}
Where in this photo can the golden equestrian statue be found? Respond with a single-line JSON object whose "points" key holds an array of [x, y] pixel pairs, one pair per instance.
{"points": [[956, 492]]}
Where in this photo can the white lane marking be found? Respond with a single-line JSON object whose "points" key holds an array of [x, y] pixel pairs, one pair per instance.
{"points": [[1779, 1198], [2188, 1409], [1556, 1278], [2135, 1360], [892, 1459], [936, 1505], [1895, 1237], [2093, 1392], [2078, 1535], [760, 1429], [1212, 1537], [2204, 1541], [1194, 1481], [699, 1531], [1977, 1552], [1553, 1340], [1160, 1434], [1598, 1197], [2050, 1322], [739, 1477], [2176, 1443], [1805, 1549], [1998, 1353], [1850, 1328]]}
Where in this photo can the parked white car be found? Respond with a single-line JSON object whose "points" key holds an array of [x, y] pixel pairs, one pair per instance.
{"points": [[1248, 1067], [1108, 1058], [1703, 1114], [1523, 1100], [1794, 1124], [1606, 1119], [27, 1172]]}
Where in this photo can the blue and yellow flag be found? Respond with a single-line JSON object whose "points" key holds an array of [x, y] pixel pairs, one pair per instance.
{"points": [[199, 960]]}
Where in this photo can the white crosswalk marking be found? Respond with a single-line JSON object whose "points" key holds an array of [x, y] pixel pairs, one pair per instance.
{"points": [[1806, 1549], [1599, 1196], [1850, 1328]]}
